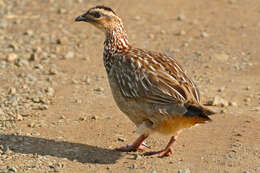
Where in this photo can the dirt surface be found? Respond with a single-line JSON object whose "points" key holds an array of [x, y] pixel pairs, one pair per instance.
{"points": [[56, 109]]}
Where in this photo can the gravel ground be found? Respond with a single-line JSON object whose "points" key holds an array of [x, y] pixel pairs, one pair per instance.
{"points": [[56, 109]]}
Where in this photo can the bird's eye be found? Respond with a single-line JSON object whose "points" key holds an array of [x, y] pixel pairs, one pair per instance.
{"points": [[96, 14]]}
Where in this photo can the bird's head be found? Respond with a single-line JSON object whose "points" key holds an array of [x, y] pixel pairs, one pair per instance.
{"points": [[101, 17]]}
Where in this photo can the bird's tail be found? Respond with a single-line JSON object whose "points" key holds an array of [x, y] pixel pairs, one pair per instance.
{"points": [[198, 111]]}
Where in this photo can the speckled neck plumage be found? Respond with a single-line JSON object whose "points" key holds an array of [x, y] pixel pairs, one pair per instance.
{"points": [[116, 41]]}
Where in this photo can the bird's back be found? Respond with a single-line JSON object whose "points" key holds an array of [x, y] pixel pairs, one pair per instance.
{"points": [[150, 86]]}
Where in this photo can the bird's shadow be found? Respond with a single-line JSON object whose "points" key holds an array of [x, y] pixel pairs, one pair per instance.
{"points": [[73, 151]]}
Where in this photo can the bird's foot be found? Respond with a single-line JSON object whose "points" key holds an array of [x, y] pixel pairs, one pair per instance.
{"points": [[163, 153], [130, 148], [138, 145]]}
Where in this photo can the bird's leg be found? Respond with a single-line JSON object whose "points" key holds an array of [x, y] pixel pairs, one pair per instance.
{"points": [[166, 151], [136, 146]]}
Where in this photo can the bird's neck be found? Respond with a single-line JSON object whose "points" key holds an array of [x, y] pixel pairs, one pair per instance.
{"points": [[116, 40]]}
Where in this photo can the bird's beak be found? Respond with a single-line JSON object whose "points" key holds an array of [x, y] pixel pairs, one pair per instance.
{"points": [[82, 17]]}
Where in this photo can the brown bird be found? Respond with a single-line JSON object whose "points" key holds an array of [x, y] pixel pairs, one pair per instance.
{"points": [[151, 88]]}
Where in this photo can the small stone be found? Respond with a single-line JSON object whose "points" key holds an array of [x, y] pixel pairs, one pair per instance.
{"points": [[62, 10], [7, 150], [33, 57], [12, 91], [246, 172], [218, 101], [257, 109], [43, 107], [248, 88], [222, 111], [163, 32], [19, 117], [29, 32], [12, 57], [12, 170], [1, 112], [181, 17], [22, 63], [182, 32], [32, 125], [83, 118], [121, 139], [137, 17], [53, 71], [50, 91], [133, 166], [247, 100], [151, 36], [87, 80], [221, 57], [204, 34], [184, 170], [99, 89], [137, 156], [221, 89], [231, 103], [62, 117], [69, 55], [232, 1], [94, 117]]}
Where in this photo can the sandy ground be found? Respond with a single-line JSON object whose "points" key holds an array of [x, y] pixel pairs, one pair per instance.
{"points": [[57, 113]]}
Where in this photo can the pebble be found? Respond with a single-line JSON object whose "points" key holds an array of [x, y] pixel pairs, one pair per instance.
{"points": [[133, 166], [184, 170], [231, 103], [121, 139], [32, 125], [50, 91], [137, 157], [137, 17], [7, 150], [221, 57], [151, 36], [53, 71], [181, 17], [154, 171], [61, 11], [43, 107], [3, 23], [99, 89], [182, 32], [22, 63], [29, 32], [12, 170], [257, 109], [232, 1], [69, 55], [218, 101], [82, 118], [248, 88], [12, 57], [1, 112], [33, 57], [247, 100], [94, 117], [12, 90], [19, 117], [204, 34]]}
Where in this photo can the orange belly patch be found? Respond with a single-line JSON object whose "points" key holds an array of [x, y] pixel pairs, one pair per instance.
{"points": [[171, 125]]}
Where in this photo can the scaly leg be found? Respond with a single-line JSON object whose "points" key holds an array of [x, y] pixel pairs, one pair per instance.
{"points": [[136, 146], [166, 151]]}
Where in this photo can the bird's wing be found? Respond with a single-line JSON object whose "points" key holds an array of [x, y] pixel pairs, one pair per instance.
{"points": [[153, 77]]}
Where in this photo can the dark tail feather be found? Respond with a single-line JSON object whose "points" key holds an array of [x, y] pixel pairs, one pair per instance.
{"points": [[198, 111]]}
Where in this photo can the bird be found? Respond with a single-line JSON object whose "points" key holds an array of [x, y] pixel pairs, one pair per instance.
{"points": [[152, 89]]}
